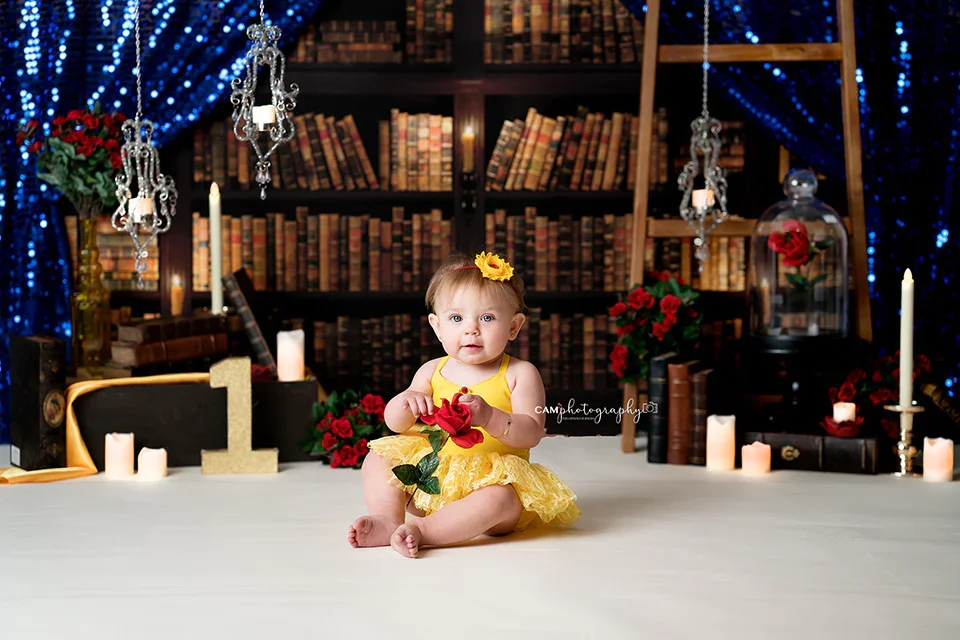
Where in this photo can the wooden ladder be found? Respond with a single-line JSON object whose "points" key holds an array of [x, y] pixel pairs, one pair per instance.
{"points": [[644, 227]]}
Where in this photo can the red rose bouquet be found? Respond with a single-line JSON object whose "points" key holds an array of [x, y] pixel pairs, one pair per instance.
{"points": [[657, 317], [870, 389], [453, 419], [344, 424], [79, 157], [794, 244]]}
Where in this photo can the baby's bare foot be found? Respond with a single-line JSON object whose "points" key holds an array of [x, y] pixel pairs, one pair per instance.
{"points": [[371, 531], [406, 540]]}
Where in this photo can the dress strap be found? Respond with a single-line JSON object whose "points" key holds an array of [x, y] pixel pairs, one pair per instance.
{"points": [[503, 365], [440, 365]]}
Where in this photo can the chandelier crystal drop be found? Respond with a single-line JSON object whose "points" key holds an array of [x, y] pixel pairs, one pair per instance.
{"points": [[150, 211], [704, 209], [273, 120]]}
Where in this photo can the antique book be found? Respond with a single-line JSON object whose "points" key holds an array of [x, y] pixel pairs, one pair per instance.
{"points": [[162, 329], [657, 441], [136, 355], [239, 289], [679, 414], [38, 406], [700, 383], [806, 452]]}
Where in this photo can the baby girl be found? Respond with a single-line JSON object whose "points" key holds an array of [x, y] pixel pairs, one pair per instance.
{"points": [[476, 307]]}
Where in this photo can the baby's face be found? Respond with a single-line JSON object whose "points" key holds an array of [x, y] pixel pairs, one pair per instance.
{"points": [[473, 326]]}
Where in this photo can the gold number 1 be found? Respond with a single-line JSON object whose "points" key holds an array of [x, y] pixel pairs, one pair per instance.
{"points": [[239, 456]]}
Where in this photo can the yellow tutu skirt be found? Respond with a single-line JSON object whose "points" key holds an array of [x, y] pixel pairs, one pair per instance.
{"points": [[546, 499]]}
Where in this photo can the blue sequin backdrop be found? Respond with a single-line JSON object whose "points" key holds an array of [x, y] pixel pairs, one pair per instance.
{"points": [[60, 53]]}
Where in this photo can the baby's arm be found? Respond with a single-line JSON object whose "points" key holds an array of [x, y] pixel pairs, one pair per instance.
{"points": [[397, 414], [526, 423]]}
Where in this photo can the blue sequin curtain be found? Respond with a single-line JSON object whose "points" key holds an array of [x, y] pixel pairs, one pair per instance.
{"points": [[56, 55], [908, 78]]}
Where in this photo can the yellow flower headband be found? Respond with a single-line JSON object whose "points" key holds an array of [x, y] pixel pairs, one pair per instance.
{"points": [[491, 266]]}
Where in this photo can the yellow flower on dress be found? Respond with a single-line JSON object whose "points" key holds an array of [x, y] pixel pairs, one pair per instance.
{"points": [[493, 266]]}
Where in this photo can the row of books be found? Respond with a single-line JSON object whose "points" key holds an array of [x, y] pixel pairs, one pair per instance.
{"points": [[591, 253], [560, 31], [732, 148], [117, 256], [350, 42], [571, 351], [415, 154], [327, 251], [724, 270], [583, 152]]}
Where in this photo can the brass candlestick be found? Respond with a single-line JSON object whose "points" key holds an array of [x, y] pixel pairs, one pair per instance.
{"points": [[905, 449]]}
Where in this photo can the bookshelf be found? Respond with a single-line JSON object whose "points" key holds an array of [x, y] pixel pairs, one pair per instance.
{"points": [[470, 91]]}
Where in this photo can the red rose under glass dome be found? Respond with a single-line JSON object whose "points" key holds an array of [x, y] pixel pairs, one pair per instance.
{"points": [[799, 281]]}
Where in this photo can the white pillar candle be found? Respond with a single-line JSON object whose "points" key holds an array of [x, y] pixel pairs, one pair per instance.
{"points": [[118, 455], [176, 296], [468, 141], [152, 464], [290, 356], [216, 252], [844, 412], [265, 115], [721, 442], [937, 460], [755, 458], [906, 340], [139, 208]]}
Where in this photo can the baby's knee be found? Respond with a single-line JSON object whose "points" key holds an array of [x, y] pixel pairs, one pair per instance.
{"points": [[504, 498]]}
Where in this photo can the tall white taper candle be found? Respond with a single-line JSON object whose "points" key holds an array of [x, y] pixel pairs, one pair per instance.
{"points": [[216, 252], [906, 339]]}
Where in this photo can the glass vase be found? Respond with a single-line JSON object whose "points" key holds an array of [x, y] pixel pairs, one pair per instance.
{"points": [[90, 305]]}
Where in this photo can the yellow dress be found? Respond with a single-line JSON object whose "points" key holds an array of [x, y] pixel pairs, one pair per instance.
{"points": [[545, 498]]}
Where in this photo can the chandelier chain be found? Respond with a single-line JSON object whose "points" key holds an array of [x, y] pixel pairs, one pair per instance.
{"points": [[262, 21], [137, 31], [706, 59]]}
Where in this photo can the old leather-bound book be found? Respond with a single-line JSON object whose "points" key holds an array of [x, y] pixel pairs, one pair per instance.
{"points": [[804, 452], [38, 381], [679, 416], [657, 440], [700, 382]]}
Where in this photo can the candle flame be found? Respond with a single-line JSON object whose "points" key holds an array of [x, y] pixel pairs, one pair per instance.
{"points": [[214, 189], [908, 276], [468, 130], [176, 278]]}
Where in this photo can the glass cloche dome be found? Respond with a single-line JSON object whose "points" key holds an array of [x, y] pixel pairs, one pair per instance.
{"points": [[799, 284]]}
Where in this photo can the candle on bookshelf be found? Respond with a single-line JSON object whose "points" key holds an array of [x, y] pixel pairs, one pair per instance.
{"points": [[844, 412], [290, 356], [937, 460], [152, 464], [216, 251], [469, 140], [906, 340], [176, 296], [266, 114]]}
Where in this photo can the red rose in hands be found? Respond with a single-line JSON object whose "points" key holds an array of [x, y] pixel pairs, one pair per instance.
{"points": [[342, 428], [846, 393], [329, 441], [793, 243], [454, 418], [670, 304], [372, 404]]}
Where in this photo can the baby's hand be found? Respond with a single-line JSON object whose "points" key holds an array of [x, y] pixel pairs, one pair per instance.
{"points": [[418, 403], [480, 411]]}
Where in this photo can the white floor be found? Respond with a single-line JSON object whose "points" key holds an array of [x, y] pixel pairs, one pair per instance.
{"points": [[661, 552]]}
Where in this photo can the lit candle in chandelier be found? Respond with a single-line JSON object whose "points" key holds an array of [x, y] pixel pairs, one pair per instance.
{"points": [[264, 115], [140, 208], [468, 139], [702, 198]]}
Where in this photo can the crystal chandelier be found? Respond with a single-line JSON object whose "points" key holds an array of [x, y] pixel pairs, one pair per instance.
{"points": [[704, 208], [249, 121], [151, 210]]}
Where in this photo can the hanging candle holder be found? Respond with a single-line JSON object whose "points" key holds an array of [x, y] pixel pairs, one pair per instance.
{"points": [[150, 210], [706, 208], [272, 120]]}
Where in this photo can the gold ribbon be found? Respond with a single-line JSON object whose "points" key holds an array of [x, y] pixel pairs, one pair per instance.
{"points": [[79, 462]]}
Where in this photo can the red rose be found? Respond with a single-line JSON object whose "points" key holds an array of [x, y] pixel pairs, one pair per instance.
{"points": [[847, 393], [59, 121], [361, 447], [348, 456], [90, 122], [73, 137], [108, 120], [923, 363], [115, 161], [670, 304], [372, 404], [693, 313], [342, 427], [833, 395], [640, 299], [670, 320], [74, 115], [86, 150], [660, 331], [880, 395], [93, 141], [618, 309], [454, 418], [681, 281], [857, 376], [329, 441], [111, 145], [626, 329], [33, 124], [793, 243], [119, 118], [35, 147], [842, 429], [877, 377], [619, 354]]}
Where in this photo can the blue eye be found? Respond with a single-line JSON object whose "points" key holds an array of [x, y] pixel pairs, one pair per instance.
{"points": [[486, 317], [455, 318]]}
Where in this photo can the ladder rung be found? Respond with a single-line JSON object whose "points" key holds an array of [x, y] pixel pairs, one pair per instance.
{"points": [[787, 52]]}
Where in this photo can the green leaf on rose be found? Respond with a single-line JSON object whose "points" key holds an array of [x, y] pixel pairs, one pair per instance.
{"points": [[363, 430], [436, 440], [430, 486], [659, 290], [407, 474], [428, 464], [797, 280], [824, 244], [819, 278], [318, 448], [674, 287], [690, 332], [317, 414]]}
